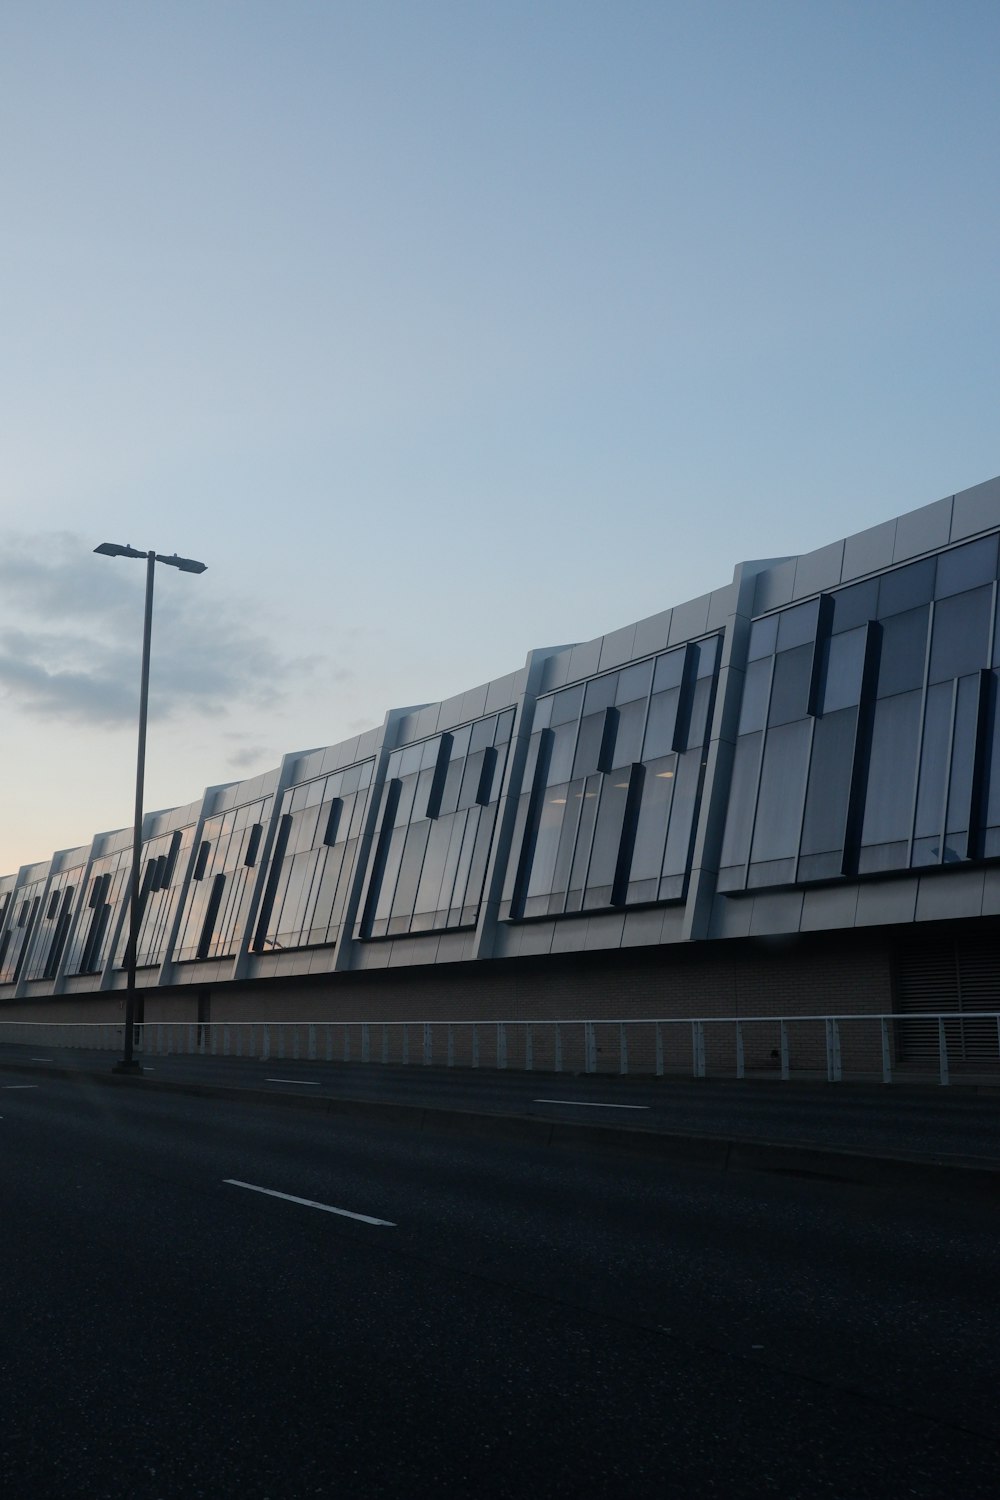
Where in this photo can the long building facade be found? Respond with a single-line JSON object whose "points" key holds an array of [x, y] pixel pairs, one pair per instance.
{"points": [[780, 797]]}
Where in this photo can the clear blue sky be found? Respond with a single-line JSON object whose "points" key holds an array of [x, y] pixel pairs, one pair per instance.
{"points": [[445, 330]]}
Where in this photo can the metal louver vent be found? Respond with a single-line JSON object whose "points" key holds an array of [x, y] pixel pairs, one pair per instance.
{"points": [[932, 977]]}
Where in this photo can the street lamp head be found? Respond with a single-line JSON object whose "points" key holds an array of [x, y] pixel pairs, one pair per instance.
{"points": [[112, 549], [186, 564]]}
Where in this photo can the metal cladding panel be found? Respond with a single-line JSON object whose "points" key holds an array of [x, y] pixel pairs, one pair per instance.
{"points": [[976, 510], [950, 894], [869, 551], [815, 571], [923, 530]]}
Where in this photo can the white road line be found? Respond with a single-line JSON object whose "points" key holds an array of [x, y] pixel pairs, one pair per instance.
{"points": [[589, 1104], [343, 1213], [19, 1085], [42, 1059], [312, 1083]]}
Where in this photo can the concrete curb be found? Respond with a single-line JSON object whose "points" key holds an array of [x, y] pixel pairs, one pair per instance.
{"points": [[961, 1176]]}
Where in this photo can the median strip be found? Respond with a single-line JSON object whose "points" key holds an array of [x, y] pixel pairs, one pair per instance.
{"points": [[343, 1213]]}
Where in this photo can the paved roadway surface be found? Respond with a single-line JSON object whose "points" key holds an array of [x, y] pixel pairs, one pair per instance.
{"points": [[524, 1322], [927, 1121]]}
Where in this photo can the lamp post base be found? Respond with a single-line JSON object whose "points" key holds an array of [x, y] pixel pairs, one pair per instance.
{"points": [[127, 1067]]}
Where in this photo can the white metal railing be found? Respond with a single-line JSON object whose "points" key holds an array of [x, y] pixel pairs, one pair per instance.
{"points": [[855, 1046]]}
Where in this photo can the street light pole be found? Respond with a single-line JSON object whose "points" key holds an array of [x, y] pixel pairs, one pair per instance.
{"points": [[186, 565]]}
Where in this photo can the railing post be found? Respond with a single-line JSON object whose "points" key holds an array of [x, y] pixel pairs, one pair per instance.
{"points": [[698, 1048], [406, 1042], [740, 1067], [558, 1048], [428, 1045], [312, 1041], [191, 1044], [501, 1044], [295, 1043], [475, 1045], [239, 1039], [589, 1048], [328, 1038], [347, 1043], [659, 1050], [943, 1052], [886, 1052], [225, 1042], [451, 1045], [159, 1038], [783, 1044], [833, 1072], [281, 1041], [213, 1039], [366, 1042], [265, 1044], [385, 1043], [622, 1049], [528, 1048]]}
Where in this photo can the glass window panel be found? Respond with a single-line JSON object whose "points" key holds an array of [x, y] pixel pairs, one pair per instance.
{"points": [[460, 741], [634, 682], [409, 869], [682, 815], [903, 651], [698, 726], [905, 588], [966, 567], [588, 745], [959, 643], [706, 656], [430, 751], [934, 761], [660, 726], [830, 768], [668, 671], [756, 691], [411, 759], [482, 734], [505, 726], [797, 626], [543, 714], [790, 685], [607, 838], [600, 693], [926, 851], [547, 841], [876, 858], [843, 668], [349, 781], [892, 768], [654, 814], [763, 638], [435, 858], [854, 606], [567, 838], [742, 795], [563, 745], [782, 791], [588, 799], [567, 704], [631, 723]]}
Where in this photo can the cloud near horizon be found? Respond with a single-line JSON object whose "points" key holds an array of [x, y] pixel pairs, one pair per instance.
{"points": [[70, 639]]}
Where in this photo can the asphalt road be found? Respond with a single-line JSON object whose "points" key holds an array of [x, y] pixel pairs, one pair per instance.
{"points": [[925, 1121], [521, 1322]]}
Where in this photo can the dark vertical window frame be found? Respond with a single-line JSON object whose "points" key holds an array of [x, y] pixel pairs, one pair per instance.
{"points": [[862, 749], [606, 754], [986, 728], [333, 822], [60, 935], [535, 799], [824, 633], [809, 765], [630, 825], [211, 913], [756, 782], [171, 859], [487, 775], [682, 724], [920, 740], [253, 845], [201, 862], [273, 878], [29, 928], [703, 753], [440, 774], [392, 792]]}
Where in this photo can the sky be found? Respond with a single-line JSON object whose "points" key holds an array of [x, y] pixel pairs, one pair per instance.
{"points": [[446, 329]]}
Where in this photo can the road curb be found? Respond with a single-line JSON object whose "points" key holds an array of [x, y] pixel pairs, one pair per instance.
{"points": [[962, 1176]]}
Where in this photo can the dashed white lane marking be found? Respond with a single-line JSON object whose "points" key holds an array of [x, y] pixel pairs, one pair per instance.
{"points": [[343, 1213], [589, 1104], [42, 1059], [19, 1085], [312, 1083]]}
